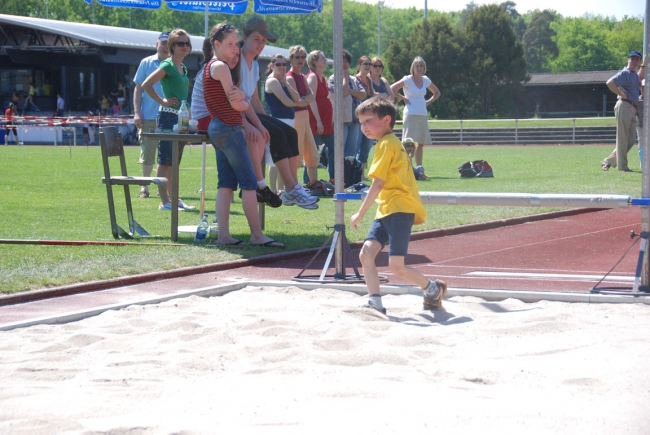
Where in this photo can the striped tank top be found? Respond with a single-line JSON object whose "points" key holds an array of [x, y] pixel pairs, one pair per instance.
{"points": [[216, 99]]}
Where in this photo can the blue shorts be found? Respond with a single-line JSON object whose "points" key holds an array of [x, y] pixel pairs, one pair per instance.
{"points": [[393, 230], [234, 165], [166, 120]]}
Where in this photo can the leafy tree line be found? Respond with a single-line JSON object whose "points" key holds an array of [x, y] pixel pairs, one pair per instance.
{"points": [[478, 56]]}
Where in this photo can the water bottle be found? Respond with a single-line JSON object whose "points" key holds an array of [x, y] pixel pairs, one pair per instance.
{"points": [[201, 230], [213, 231], [183, 118]]}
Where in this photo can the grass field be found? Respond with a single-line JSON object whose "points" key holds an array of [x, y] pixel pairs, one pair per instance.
{"points": [[521, 123], [55, 193]]}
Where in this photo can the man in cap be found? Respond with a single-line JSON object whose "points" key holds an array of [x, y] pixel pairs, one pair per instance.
{"points": [[626, 85], [146, 108]]}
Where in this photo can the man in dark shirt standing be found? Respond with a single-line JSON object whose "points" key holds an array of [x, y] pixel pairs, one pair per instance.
{"points": [[626, 85]]}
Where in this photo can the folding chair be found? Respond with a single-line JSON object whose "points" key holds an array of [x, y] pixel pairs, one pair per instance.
{"points": [[110, 141]]}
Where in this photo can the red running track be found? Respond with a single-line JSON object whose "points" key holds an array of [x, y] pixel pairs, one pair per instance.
{"points": [[567, 254]]}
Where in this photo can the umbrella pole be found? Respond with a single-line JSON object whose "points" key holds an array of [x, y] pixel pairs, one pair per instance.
{"points": [[203, 181]]}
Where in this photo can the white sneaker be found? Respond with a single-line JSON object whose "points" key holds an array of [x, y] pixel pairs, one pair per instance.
{"points": [[309, 195], [168, 207], [182, 205], [297, 197]]}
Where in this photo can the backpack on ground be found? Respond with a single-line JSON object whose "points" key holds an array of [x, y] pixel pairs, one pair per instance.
{"points": [[351, 171], [321, 188], [477, 168]]}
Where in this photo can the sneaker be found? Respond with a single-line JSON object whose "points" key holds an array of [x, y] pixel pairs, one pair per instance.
{"points": [[605, 165], [368, 304], [182, 205], [271, 197], [266, 196], [143, 194], [307, 192], [168, 207], [435, 302], [296, 197]]}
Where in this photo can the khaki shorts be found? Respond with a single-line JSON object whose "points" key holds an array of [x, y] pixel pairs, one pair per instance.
{"points": [[148, 147], [306, 143]]}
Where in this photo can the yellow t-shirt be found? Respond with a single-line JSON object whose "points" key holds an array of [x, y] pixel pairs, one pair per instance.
{"points": [[400, 193]]}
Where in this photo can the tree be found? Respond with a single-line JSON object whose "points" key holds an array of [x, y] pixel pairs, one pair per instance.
{"points": [[439, 45], [582, 45], [497, 66], [539, 42], [517, 22]]}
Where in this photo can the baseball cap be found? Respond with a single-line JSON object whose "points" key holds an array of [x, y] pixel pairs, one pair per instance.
{"points": [[256, 23], [634, 53], [164, 36]]}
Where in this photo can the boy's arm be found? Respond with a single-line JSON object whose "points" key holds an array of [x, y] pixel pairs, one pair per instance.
{"points": [[373, 192]]}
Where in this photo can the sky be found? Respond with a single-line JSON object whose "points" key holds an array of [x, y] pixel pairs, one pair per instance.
{"points": [[568, 8]]}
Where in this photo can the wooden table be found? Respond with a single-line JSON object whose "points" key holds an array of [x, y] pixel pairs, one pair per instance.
{"points": [[177, 139]]}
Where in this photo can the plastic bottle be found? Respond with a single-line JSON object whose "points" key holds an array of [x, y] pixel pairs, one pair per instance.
{"points": [[213, 230], [201, 230], [183, 118]]}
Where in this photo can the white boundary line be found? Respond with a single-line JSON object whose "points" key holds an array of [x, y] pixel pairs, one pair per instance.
{"points": [[219, 290], [549, 276]]}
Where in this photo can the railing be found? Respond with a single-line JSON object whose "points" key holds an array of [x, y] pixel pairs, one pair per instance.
{"points": [[521, 132]]}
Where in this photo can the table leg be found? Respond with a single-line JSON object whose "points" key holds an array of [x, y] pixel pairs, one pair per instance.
{"points": [[175, 172]]}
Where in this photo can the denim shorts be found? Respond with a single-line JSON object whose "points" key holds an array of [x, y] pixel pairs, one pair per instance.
{"points": [[393, 230], [166, 120], [234, 165]]}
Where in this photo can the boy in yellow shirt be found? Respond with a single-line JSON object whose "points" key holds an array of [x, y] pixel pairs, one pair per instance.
{"points": [[399, 206]]}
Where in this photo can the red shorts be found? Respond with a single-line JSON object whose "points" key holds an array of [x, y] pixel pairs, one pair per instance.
{"points": [[203, 124]]}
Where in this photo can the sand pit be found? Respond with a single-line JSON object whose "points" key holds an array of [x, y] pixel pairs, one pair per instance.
{"points": [[273, 360]]}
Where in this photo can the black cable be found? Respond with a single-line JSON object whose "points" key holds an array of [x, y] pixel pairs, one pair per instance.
{"points": [[617, 263]]}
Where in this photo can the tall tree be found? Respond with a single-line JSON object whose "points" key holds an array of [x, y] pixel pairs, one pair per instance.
{"points": [[497, 63], [438, 44], [582, 45], [539, 42]]}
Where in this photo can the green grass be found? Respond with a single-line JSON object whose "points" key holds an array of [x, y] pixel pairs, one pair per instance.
{"points": [[55, 193], [521, 123]]}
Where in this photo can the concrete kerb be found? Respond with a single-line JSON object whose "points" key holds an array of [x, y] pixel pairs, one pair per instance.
{"points": [[36, 295], [220, 290]]}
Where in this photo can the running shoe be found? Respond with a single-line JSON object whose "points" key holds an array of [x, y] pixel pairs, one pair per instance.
{"points": [[434, 302], [182, 205], [297, 197], [168, 207], [307, 192]]}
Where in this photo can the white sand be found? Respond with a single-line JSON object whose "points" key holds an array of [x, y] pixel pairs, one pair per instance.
{"points": [[291, 361]]}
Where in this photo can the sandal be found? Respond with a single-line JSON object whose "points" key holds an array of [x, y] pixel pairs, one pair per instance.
{"points": [[270, 244]]}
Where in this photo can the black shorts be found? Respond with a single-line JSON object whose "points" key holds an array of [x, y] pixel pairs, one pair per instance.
{"points": [[284, 139]]}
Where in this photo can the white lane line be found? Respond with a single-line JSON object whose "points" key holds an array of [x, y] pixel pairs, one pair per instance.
{"points": [[549, 276]]}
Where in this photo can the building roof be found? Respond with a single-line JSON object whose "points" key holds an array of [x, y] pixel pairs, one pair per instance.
{"points": [[107, 36], [570, 78]]}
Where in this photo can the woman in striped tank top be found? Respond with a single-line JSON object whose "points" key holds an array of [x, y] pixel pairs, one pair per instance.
{"points": [[225, 103]]}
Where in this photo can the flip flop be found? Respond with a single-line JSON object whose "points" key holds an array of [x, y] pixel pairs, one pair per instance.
{"points": [[271, 244], [236, 244]]}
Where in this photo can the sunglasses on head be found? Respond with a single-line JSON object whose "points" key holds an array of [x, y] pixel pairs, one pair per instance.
{"points": [[183, 44], [224, 28]]}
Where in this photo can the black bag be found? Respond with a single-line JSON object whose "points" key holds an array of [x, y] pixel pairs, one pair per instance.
{"points": [[351, 171], [477, 168]]}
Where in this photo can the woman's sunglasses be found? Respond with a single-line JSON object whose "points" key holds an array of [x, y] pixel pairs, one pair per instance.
{"points": [[183, 44], [280, 64]]}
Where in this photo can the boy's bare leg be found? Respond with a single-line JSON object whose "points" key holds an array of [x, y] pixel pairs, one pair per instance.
{"points": [[397, 266], [367, 256]]}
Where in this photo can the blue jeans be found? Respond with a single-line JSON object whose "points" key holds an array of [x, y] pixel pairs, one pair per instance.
{"points": [[234, 165], [166, 120], [328, 140], [351, 139], [364, 147]]}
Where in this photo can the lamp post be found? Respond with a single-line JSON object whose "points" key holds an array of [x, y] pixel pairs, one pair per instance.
{"points": [[380, 3], [425, 9]]}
